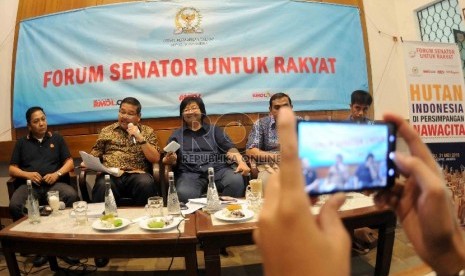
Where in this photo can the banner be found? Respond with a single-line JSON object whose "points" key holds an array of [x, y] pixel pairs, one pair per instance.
{"points": [[435, 86], [435, 91], [233, 54]]}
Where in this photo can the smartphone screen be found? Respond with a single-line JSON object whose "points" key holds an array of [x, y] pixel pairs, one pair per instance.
{"points": [[345, 156]]}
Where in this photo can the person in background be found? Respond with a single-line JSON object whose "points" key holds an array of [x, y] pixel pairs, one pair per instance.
{"points": [[367, 173], [338, 173], [263, 142], [360, 102], [317, 243], [42, 157], [203, 146], [132, 148]]}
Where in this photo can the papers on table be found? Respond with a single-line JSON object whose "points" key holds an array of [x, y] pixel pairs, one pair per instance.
{"points": [[94, 163]]}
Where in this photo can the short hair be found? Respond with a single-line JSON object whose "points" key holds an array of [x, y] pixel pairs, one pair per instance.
{"points": [[32, 110], [132, 101], [361, 97], [370, 155], [279, 96], [193, 99]]}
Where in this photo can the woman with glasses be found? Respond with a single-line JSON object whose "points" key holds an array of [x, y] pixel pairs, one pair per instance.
{"points": [[202, 146]]}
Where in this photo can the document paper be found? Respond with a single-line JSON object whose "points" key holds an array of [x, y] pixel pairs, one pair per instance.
{"points": [[94, 163]]}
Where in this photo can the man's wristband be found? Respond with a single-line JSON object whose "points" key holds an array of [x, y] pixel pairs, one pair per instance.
{"points": [[142, 142], [59, 173]]}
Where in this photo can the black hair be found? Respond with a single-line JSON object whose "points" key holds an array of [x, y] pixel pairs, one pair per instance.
{"points": [[361, 97], [132, 101], [279, 96], [370, 155], [193, 99], [32, 110]]}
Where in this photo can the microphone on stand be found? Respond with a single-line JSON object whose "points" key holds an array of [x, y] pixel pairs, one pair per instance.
{"points": [[133, 138]]}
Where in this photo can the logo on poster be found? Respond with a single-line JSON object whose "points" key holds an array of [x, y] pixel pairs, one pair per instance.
{"points": [[188, 21]]}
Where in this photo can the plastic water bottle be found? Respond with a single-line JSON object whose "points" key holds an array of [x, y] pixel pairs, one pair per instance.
{"points": [[33, 212], [110, 202], [173, 199], [213, 200]]}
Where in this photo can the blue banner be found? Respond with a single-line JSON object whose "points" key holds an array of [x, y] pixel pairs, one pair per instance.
{"points": [[233, 54]]}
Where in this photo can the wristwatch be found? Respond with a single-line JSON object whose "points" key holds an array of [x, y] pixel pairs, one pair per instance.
{"points": [[59, 173], [143, 142]]}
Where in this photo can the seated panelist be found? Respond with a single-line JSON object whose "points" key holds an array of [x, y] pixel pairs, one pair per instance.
{"points": [[42, 157], [132, 148], [203, 146]]}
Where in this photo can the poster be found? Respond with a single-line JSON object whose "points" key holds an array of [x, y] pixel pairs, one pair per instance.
{"points": [[435, 88]]}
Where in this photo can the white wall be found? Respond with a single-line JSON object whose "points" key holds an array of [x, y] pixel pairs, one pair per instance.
{"points": [[8, 10], [388, 24]]}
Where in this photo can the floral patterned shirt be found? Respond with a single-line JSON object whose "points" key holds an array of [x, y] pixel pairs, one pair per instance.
{"points": [[116, 149]]}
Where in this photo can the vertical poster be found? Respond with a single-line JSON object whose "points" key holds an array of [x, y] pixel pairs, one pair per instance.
{"points": [[435, 88]]}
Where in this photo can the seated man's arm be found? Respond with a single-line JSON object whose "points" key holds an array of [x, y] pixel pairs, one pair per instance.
{"points": [[53, 177], [149, 146], [255, 146], [234, 155], [15, 171], [262, 156]]}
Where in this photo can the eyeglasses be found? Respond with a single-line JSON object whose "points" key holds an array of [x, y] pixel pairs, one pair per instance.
{"points": [[190, 109], [127, 115]]}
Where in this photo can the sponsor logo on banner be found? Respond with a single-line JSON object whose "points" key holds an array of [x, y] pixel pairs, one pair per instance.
{"points": [[101, 103], [261, 95]]}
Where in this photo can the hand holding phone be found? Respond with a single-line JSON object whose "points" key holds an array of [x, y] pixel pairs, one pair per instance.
{"points": [[344, 156], [173, 146]]}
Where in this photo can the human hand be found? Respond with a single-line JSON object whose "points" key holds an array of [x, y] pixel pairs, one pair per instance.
{"points": [[35, 177], [242, 168], [133, 130], [51, 178], [423, 205], [286, 223], [170, 158]]}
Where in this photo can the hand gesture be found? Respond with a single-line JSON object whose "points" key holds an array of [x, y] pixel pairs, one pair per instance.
{"points": [[292, 240], [35, 177], [423, 205], [242, 168]]}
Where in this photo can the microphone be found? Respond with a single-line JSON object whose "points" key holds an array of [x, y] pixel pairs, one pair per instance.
{"points": [[133, 138]]}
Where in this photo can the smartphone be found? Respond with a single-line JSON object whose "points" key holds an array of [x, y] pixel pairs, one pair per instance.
{"points": [[346, 156]]}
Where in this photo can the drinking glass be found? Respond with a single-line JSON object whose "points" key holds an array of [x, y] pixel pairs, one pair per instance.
{"points": [[53, 198], [80, 212], [254, 199], [256, 186], [154, 207]]}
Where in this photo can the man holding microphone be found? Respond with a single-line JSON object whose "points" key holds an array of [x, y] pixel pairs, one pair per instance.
{"points": [[131, 148]]}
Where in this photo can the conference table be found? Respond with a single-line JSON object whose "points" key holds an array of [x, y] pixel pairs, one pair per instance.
{"points": [[215, 234], [57, 235]]}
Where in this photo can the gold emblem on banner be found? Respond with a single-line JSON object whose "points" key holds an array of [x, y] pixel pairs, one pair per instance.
{"points": [[188, 21]]}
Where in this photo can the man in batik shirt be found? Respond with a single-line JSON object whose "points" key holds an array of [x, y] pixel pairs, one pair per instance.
{"points": [[131, 148]]}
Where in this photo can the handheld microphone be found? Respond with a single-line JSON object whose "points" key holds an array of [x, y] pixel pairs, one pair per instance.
{"points": [[133, 138]]}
